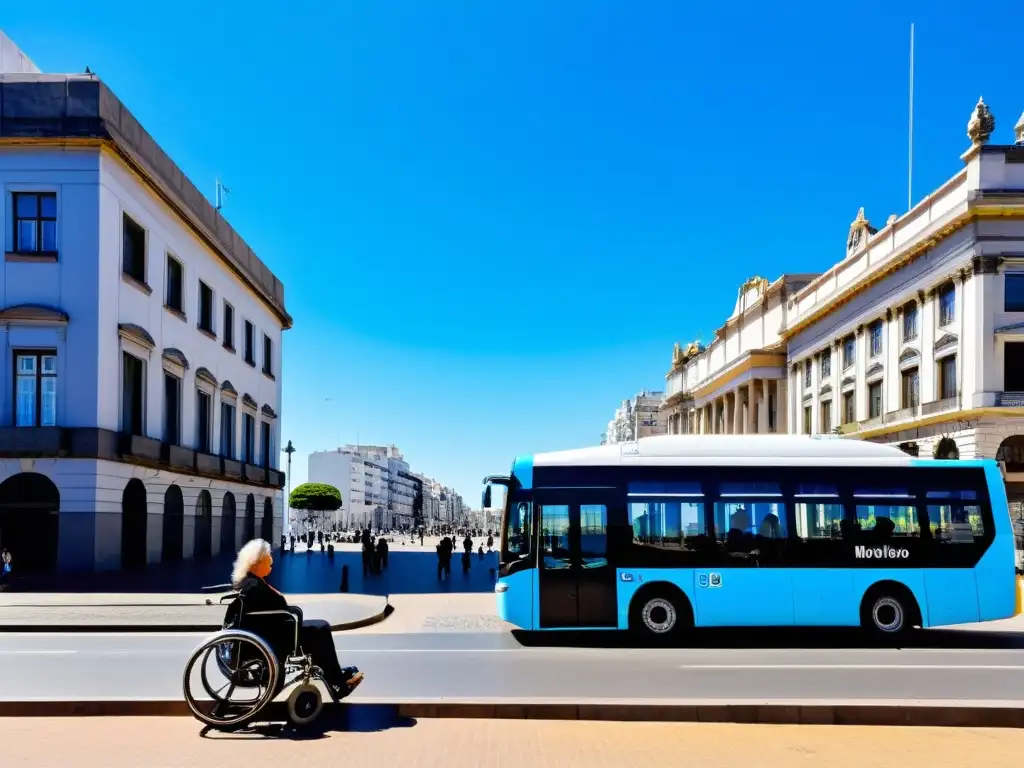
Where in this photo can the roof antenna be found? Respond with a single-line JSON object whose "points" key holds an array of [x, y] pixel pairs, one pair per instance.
{"points": [[221, 192]]}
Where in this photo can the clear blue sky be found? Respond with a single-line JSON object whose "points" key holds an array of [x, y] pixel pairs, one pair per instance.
{"points": [[494, 219]]}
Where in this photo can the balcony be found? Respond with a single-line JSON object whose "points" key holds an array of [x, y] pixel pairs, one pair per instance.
{"points": [[941, 405], [1010, 399]]}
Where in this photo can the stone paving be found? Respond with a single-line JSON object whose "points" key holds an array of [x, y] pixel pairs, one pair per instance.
{"points": [[97, 742]]}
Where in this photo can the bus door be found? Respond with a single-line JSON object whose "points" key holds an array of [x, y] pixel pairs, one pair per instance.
{"points": [[576, 582]]}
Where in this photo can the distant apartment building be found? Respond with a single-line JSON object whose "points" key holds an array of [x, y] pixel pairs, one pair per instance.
{"points": [[140, 386], [637, 417], [737, 383], [377, 488], [443, 508]]}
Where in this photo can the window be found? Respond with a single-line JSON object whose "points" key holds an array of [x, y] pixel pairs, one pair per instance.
{"points": [[554, 537], [593, 535], [849, 407], [910, 322], [35, 222], [666, 515], [520, 529], [133, 247], [885, 511], [1013, 292], [133, 395], [826, 417], [205, 307], [807, 420], [849, 352], [875, 332], [175, 298], [248, 439], [268, 355], [910, 388], [807, 374], [955, 517], [35, 388], [265, 453], [819, 512], [249, 352], [227, 430], [172, 409], [874, 400], [826, 363], [947, 377], [1013, 366], [204, 421], [229, 326], [947, 304]]}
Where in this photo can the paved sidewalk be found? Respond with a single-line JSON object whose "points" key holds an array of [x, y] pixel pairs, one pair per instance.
{"points": [[458, 612], [20, 612], [88, 742]]}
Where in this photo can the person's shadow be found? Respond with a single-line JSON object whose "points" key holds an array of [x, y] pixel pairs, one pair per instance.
{"points": [[345, 718]]}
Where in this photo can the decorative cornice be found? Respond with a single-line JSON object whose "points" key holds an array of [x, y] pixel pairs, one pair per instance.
{"points": [[985, 265], [227, 389], [876, 368], [269, 412], [176, 356], [206, 375], [825, 389], [137, 334], [847, 381], [909, 354], [946, 340], [32, 314], [247, 400]]}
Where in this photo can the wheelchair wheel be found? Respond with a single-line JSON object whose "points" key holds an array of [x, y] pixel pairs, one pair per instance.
{"points": [[304, 704], [242, 680]]}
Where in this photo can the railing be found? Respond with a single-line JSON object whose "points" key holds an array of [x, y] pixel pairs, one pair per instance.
{"points": [[1010, 399], [901, 415], [938, 406]]}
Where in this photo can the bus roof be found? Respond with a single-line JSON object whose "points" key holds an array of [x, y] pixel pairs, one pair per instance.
{"points": [[706, 449]]}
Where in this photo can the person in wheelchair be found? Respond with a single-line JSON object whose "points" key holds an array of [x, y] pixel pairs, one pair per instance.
{"points": [[249, 578]]}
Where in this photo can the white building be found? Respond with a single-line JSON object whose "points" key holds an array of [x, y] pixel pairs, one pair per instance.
{"points": [[918, 333], [737, 383], [637, 417], [140, 386], [377, 488]]}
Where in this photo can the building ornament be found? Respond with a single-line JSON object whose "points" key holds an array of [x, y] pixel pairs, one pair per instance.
{"points": [[1018, 130], [860, 230], [981, 125], [756, 282]]}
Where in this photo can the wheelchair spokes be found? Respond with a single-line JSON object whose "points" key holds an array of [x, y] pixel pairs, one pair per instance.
{"points": [[240, 682]]}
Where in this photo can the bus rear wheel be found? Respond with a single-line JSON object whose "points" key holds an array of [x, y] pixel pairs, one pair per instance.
{"points": [[889, 613], [659, 614]]}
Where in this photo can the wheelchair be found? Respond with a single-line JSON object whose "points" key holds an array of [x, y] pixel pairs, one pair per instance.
{"points": [[258, 655]]}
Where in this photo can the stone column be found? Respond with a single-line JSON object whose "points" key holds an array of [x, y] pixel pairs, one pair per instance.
{"points": [[782, 421], [751, 425], [762, 409], [737, 411]]}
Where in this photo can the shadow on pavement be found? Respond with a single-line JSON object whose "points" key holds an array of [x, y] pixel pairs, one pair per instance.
{"points": [[350, 718], [774, 638]]}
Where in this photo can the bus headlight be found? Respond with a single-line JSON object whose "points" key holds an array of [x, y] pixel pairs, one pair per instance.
{"points": [[500, 587]]}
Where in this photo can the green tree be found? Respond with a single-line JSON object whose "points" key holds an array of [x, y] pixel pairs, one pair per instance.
{"points": [[315, 498]]}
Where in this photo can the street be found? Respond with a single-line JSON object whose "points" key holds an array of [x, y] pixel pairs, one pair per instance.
{"points": [[99, 742], [495, 667]]}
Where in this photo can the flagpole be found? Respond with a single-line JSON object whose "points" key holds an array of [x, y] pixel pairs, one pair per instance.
{"points": [[910, 129]]}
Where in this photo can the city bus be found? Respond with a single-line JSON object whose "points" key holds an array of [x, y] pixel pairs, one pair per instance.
{"points": [[672, 532]]}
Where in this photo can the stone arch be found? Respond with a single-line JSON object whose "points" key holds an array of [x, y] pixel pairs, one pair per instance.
{"points": [[134, 517], [227, 524], [267, 523], [30, 521], [249, 527], [203, 531], [173, 546], [1011, 453]]}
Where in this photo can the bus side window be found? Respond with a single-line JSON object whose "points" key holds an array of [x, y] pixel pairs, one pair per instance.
{"points": [[955, 516], [886, 512], [819, 512]]}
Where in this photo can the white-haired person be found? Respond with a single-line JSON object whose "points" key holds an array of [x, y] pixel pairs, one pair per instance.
{"points": [[249, 577]]}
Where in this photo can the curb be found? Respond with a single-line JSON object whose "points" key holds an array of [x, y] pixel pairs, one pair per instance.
{"points": [[746, 714], [142, 628]]}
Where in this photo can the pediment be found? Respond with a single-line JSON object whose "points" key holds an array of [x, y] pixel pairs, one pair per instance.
{"points": [[947, 339], [909, 354], [176, 356], [136, 333], [32, 313], [825, 388], [269, 412], [248, 400], [876, 368], [205, 374], [848, 381], [227, 389]]}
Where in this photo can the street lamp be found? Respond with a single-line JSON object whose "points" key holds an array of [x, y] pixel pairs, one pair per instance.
{"points": [[289, 449]]}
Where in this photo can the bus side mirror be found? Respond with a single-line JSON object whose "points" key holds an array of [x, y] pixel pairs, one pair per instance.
{"points": [[486, 501]]}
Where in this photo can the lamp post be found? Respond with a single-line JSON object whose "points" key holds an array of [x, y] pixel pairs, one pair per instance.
{"points": [[289, 450]]}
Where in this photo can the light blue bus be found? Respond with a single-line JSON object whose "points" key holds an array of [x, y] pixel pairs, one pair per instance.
{"points": [[673, 532]]}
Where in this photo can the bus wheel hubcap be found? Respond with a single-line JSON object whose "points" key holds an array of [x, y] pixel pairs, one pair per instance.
{"points": [[659, 615], [888, 615]]}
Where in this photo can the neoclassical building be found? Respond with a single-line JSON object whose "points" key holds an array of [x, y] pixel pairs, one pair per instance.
{"points": [[916, 338], [737, 384], [140, 380]]}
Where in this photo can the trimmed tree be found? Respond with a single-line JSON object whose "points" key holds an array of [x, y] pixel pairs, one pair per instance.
{"points": [[315, 497]]}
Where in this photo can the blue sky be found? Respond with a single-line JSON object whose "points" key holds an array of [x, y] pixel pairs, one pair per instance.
{"points": [[494, 219]]}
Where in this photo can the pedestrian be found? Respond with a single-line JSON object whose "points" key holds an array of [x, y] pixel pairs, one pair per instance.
{"points": [[382, 554], [490, 542], [367, 551]]}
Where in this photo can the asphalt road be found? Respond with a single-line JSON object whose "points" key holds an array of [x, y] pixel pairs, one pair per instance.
{"points": [[495, 666]]}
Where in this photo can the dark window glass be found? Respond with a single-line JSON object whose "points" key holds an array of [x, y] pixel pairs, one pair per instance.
{"points": [[519, 531], [1013, 366], [268, 355], [749, 489], [817, 489], [826, 417], [819, 520], [874, 400], [227, 430], [133, 257], [826, 363], [229, 326], [35, 222], [807, 374], [175, 285], [807, 420], [593, 535], [746, 518], [554, 537], [671, 488], [203, 422], [265, 443], [910, 322], [849, 352], [947, 305], [172, 409], [250, 352], [911, 388], [849, 408], [880, 492], [666, 524], [248, 439], [1013, 283], [132, 394], [205, 307], [35, 388], [947, 377], [876, 338], [885, 521]]}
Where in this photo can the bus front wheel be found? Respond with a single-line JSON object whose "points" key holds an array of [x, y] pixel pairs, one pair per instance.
{"points": [[889, 611], [660, 613]]}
